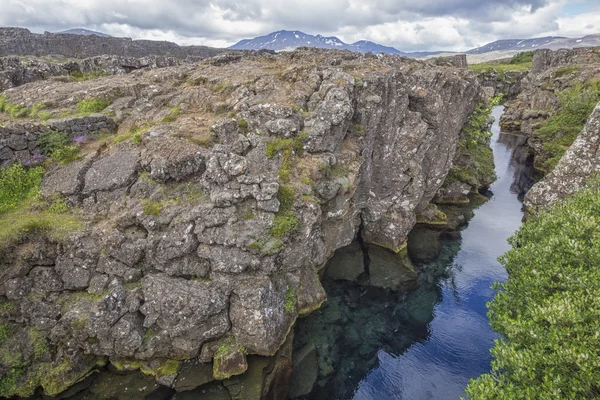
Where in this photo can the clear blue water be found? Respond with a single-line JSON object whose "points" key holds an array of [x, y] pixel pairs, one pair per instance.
{"points": [[426, 344]]}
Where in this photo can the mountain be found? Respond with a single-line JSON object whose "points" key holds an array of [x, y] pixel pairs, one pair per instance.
{"points": [[81, 31], [289, 40], [515, 44], [364, 46]]}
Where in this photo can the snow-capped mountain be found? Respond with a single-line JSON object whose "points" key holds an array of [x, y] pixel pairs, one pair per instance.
{"points": [[289, 40], [515, 44]]}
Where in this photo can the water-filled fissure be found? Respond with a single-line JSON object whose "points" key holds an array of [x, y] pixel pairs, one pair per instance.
{"points": [[371, 343]]}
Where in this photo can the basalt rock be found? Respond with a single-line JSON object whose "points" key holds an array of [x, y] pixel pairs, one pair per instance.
{"points": [[242, 178]]}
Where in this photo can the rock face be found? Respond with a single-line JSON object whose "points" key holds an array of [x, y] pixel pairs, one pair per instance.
{"points": [[19, 41], [16, 71], [580, 162], [551, 72], [204, 235], [507, 82]]}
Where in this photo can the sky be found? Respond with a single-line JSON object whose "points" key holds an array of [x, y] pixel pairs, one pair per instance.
{"points": [[408, 25]]}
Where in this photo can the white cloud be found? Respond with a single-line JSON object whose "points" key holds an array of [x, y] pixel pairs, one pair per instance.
{"points": [[404, 24]]}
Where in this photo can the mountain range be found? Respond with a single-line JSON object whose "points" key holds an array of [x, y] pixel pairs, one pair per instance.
{"points": [[288, 40]]}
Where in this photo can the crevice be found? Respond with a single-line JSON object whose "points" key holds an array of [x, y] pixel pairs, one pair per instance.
{"points": [[364, 247]]}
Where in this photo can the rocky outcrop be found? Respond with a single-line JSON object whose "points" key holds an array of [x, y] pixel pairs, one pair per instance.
{"points": [[16, 71], [551, 72], [580, 163], [203, 236], [20, 41], [506, 82]]}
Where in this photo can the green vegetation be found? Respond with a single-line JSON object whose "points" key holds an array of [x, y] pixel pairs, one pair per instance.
{"points": [[227, 346], [79, 76], [152, 207], [4, 332], [359, 129], [475, 143], [175, 111], [290, 300], [17, 184], [548, 309], [561, 129], [501, 68], [39, 343], [58, 146], [288, 148], [566, 70], [93, 105], [523, 57], [134, 134], [15, 111], [285, 221], [243, 125]]}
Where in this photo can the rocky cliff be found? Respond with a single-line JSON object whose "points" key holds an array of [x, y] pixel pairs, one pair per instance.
{"points": [[559, 92], [580, 163], [204, 221], [21, 42]]}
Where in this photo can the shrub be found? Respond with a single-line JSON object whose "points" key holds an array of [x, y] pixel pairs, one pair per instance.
{"points": [[59, 146], [548, 309], [562, 128], [93, 105], [17, 184], [523, 57]]}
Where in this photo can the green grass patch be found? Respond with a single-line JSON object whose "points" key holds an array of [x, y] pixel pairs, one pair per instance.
{"points": [[561, 129], [290, 300], [175, 111], [501, 68], [152, 207], [15, 111], [547, 311], [285, 221], [92, 105], [566, 70], [17, 184]]}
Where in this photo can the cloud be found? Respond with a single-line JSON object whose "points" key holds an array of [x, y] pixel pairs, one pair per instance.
{"points": [[405, 24]]}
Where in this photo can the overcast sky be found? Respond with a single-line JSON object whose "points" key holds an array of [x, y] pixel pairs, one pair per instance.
{"points": [[407, 25]]}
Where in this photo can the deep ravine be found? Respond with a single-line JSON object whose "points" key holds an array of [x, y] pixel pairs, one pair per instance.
{"points": [[429, 343]]}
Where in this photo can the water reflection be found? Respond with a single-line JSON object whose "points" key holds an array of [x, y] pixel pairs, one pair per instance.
{"points": [[373, 344]]}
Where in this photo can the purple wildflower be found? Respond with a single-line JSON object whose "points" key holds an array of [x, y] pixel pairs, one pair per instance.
{"points": [[79, 139]]}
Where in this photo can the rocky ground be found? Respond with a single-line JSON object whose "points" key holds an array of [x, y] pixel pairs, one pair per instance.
{"points": [[209, 200]]}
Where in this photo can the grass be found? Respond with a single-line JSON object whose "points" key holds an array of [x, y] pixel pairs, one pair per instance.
{"points": [[285, 221], [566, 70], [288, 148], [17, 184], [4, 332], [92, 105], [175, 111], [152, 207], [16, 111], [243, 125], [134, 134]]}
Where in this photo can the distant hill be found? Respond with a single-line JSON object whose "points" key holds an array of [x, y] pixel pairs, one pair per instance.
{"points": [[81, 31], [289, 40]]}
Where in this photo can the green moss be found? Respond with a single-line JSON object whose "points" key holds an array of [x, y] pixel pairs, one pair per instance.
{"points": [[125, 364], [6, 307], [248, 214], [359, 129], [39, 343], [283, 225], [290, 300], [4, 332], [132, 286], [226, 347], [92, 105], [152, 207], [243, 125]]}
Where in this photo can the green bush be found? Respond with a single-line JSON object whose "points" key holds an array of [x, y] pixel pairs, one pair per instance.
{"points": [[523, 57], [17, 184], [93, 105], [548, 310], [59, 146], [562, 128]]}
